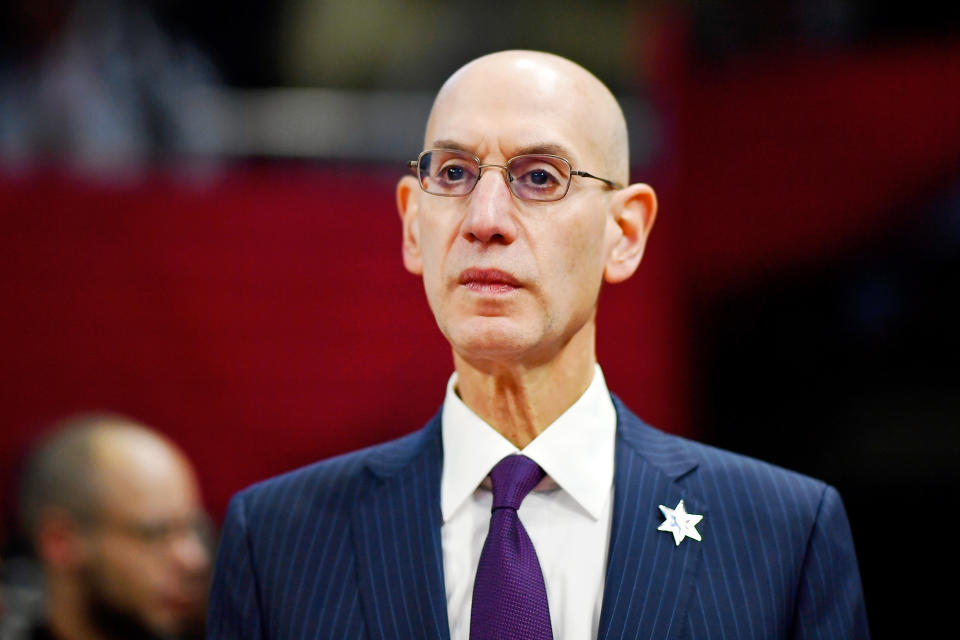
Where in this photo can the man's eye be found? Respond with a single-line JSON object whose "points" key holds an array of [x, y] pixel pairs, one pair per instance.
{"points": [[539, 178], [151, 532], [453, 173]]}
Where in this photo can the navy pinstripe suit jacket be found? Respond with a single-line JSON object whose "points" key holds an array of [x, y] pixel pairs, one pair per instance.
{"points": [[350, 548]]}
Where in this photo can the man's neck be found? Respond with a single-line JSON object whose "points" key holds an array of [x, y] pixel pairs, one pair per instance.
{"points": [[65, 612], [521, 400]]}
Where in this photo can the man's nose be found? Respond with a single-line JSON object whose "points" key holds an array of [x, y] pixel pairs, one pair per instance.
{"points": [[491, 209], [192, 553]]}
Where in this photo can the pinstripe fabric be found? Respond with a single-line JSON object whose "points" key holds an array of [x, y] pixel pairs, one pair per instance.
{"points": [[776, 560], [345, 548], [350, 548], [397, 536]]}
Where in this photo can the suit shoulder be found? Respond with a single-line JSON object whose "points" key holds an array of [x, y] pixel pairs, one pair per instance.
{"points": [[332, 482], [753, 471], [715, 467]]}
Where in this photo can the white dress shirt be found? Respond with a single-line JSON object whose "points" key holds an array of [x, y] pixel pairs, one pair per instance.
{"points": [[567, 515]]}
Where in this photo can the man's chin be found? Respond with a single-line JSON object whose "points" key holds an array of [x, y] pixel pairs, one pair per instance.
{"points": [[120, 621], [116, 623], [493, 341], [181, 629], [122, 625]]}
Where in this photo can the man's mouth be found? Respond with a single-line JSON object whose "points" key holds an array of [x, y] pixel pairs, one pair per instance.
{"points": [[488, 281]]}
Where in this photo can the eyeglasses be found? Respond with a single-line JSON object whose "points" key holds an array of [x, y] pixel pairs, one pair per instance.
{"points": [[537, 177], [161, 532]]}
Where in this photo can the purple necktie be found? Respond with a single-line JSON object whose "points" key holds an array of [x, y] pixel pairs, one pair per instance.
{"points": [[509, 596]]}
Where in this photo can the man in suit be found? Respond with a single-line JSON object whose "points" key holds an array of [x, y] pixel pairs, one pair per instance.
{"points": [[516, 212]]}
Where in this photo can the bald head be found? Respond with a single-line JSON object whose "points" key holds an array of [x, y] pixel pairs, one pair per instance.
{"points": [[89, 458], [531, 91]]}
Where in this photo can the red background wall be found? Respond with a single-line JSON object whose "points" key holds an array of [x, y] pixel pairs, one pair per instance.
{"points": [[260, 314], [261, 317]]}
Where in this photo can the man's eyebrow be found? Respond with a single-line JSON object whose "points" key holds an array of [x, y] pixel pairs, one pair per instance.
{"points": [[550, 148], [450, 144]]}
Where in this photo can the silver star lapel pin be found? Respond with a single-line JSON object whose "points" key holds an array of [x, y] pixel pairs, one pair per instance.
{"points": [[680, 523]]}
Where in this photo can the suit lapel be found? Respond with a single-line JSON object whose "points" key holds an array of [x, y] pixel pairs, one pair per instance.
{"points": [[649, 578], [396, 534]]}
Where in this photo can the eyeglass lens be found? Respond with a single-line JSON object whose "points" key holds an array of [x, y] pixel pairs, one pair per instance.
{"points": [[531, 177]]}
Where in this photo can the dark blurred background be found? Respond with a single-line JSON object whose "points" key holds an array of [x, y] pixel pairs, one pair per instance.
{"points": [[197, 229]]}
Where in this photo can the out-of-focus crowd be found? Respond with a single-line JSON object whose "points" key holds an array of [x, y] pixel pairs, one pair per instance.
{"points": [[99, 85], [118, 543]]}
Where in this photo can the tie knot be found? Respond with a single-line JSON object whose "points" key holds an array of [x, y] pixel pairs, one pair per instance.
{"points": [[513, 478]]}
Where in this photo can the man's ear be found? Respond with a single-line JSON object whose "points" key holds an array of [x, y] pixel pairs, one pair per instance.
{"points": [[634, 209], [59, 540], [407, 206]]}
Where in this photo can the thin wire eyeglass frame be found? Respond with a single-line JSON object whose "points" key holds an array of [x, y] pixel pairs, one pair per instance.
{"points": [[414, 165]]}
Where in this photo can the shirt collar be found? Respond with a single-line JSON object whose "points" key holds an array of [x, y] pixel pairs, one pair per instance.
{"points": [[576, 450]]}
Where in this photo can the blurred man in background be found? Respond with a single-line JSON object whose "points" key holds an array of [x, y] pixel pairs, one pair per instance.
{"points": [[113, 512]]}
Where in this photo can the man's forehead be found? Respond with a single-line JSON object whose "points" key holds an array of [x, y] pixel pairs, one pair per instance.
{"points": [[508, 146], [511, 120], [523, 102]]}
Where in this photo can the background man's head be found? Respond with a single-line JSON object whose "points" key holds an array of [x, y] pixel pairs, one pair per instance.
{"points": [[547, 258], [113, 511]]}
